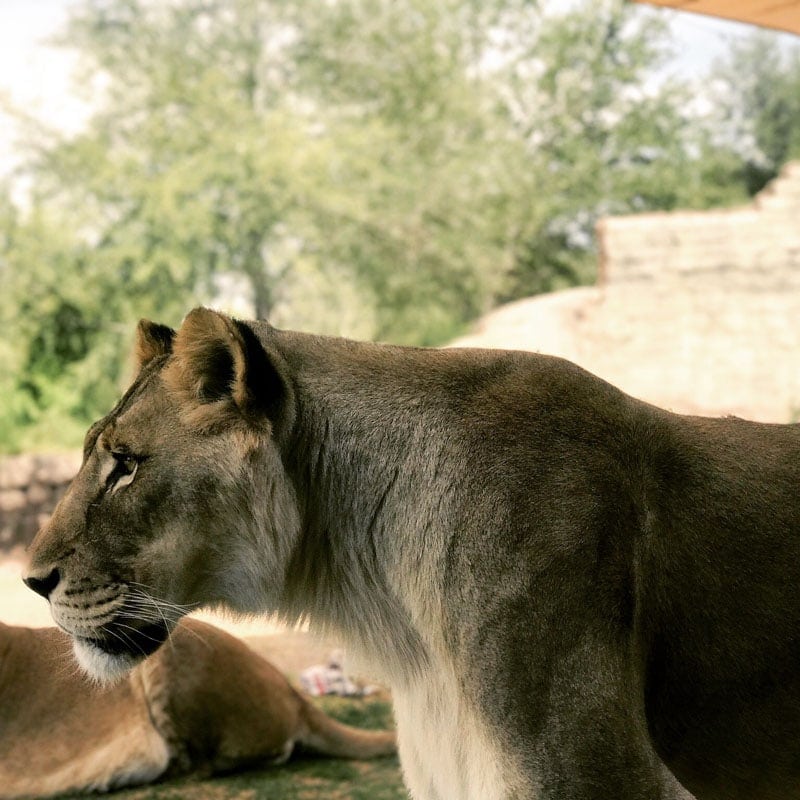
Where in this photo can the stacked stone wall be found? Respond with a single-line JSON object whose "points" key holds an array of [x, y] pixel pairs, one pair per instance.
{"points": [[751, 249], [30, 487], [696, 311]]}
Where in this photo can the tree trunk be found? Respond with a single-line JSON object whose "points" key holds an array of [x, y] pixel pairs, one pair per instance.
{"points": [[256, 271]]}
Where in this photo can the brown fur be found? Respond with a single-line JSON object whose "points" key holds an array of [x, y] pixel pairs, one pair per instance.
{"points": [[572, 594], [204, 703]]}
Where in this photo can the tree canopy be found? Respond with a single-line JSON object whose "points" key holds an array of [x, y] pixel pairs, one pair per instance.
{"points": [[383, 169], [757, 98]]}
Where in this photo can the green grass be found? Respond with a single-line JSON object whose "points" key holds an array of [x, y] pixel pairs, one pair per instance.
{"points": [[303, 778]]}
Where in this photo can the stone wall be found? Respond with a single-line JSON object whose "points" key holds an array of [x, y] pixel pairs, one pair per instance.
{"points": [[698, 312], [30, 487], [752, 249]]}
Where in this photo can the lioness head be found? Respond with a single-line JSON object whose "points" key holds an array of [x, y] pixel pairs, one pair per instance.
{"points": [[181, 499]]}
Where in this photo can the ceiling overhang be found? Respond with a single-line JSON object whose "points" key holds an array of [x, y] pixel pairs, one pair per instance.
{"points": [[782, 15]]}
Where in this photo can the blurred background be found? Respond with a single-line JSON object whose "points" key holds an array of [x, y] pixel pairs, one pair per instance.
{"points": [[606, 181], [382, 170]]}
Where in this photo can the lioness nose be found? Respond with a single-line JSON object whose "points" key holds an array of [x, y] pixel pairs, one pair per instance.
{"points": [[43, 585]]}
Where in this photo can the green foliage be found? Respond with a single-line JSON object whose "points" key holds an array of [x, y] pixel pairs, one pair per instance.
{"points": [[430, 166], [383, 169], [605, 137], [50, 375], [758, 96]]}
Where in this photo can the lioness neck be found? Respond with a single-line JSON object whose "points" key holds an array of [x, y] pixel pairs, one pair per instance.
{"points": [[375, 454]]}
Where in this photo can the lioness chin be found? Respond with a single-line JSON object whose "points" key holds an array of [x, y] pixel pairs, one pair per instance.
{"points": [[572, 594]]}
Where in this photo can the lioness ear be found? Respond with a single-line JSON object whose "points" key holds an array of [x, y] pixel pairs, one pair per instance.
{"points": [[219, 363], [152, 340]]}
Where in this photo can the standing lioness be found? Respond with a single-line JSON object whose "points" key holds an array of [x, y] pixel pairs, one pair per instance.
{"points": [[565, 587]]}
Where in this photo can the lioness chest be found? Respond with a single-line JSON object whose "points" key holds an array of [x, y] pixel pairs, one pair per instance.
{"points": [[445, 751]]}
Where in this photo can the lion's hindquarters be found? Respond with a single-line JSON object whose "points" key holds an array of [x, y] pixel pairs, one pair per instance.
{"points": [[224, 706]]}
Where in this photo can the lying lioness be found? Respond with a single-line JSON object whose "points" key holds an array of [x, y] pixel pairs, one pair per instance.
{"points": [[204, 703], [566, 588]]}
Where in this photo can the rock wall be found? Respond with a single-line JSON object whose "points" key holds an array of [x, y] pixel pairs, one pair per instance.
{"points": [[698, 312], [751, 249], [30, 487]]}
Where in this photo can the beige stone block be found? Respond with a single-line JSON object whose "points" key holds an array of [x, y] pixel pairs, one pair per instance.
{"points": [[39, 494], [57, 468], [15, 471], [12, 500]]}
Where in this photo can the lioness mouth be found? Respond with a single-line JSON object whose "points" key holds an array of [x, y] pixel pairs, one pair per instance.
{"points": [[123, 639]]}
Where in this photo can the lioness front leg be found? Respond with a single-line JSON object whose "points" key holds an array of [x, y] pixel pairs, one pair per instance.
{"points": [[587, 737], [596, 764]]}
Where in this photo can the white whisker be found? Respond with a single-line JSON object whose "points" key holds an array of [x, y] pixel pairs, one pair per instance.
{"points": [[121, 636], [141, 601]]}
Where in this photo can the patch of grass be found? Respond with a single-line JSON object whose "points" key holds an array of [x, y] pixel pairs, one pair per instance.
{"points": [[373, 712], [303, 778]]}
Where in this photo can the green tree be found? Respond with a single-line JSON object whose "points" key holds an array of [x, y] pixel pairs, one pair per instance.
{"points": [[434, 181], [382, 138], [219, 141], [60, 362], [758, 96], [605, 136], [192, 160], [425, 160]]}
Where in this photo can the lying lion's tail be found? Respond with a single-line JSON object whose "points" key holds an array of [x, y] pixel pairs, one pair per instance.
{"points": [[326, 736]]}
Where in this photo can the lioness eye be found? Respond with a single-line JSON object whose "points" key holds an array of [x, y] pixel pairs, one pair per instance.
{"points": [[125, 466], [126, 463]]}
